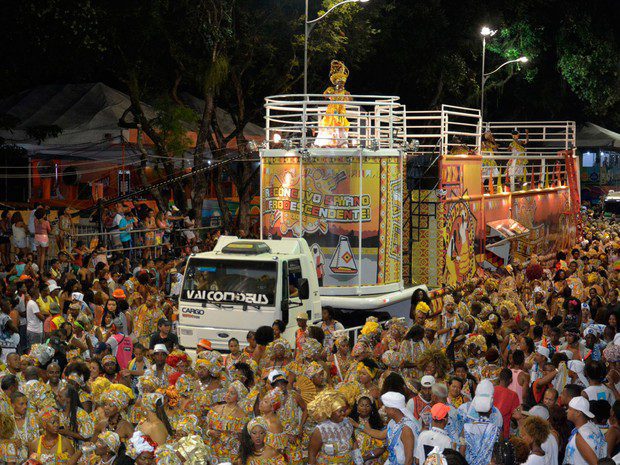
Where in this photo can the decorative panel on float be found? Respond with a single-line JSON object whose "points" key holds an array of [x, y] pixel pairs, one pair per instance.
{"points": [[351, 204]]}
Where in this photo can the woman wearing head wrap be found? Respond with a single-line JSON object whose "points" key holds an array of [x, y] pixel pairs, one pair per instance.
{"points": [[179, 361], [269, 404], [254, 449], [51, 448], [366, 414], [401, 431], [450, 319], [331, 441], [224, 422], [145, 319], [411, 348], [141, 448], [311, 351], [156, 424], [277, 356], [394, 361], [107, 448], [26, 425], [115, 401], [210, 386], [77, 424], [341, 360], [147, 384], [363, 380]]}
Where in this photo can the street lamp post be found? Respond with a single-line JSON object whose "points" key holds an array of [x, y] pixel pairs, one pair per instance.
{"points": [[485, 32], [486, 76], [488, 32]]}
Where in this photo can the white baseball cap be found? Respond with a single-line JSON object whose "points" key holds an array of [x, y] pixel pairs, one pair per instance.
{"points": [[483, 399], [427, 381], [543, 351], [160, 348], [52, 286], [276, 375], [582, 405], [539, 411]]}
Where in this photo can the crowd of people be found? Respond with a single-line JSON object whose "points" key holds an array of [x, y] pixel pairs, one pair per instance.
{"points": [[521, 367]]}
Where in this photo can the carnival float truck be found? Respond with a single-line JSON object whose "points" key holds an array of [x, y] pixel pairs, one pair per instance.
{"points": [[362, 202]]}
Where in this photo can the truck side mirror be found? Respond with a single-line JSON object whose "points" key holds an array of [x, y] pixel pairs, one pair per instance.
{"points": [[304, 288]]}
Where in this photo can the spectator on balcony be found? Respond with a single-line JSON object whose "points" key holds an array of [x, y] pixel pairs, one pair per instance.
{"points": [[126, 224]]}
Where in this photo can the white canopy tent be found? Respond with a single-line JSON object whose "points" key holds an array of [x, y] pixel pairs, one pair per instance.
{"points": [[88, 115], [593, 135]]}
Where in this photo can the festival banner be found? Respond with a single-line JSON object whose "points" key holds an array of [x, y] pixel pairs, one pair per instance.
{"points": [[339, 198]]}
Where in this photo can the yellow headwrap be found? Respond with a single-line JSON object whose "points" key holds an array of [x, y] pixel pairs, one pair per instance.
{"points": [[325, 404], [422, 307], [98, 387], [370, 327], [258, 421], [118, 395], [363, 368], [111, 440]]}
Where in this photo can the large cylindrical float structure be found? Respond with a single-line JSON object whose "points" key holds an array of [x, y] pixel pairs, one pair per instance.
{"points": [[347, 204]]}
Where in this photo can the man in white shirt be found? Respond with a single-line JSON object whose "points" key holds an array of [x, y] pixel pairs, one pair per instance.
{"points": [[34, 318], [550, 446], [176, 281], [116, 238], [434, 437], [596, 373]]}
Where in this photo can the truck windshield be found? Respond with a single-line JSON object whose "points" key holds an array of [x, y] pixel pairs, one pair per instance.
{"points": [[231, 281], [612, 207]]}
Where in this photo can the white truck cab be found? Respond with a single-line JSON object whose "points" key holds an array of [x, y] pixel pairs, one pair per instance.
{"points": [[243, 284], [611, 204]]}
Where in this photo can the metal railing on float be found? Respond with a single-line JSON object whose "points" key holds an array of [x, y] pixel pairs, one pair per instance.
{"points": [[524, 156], [451, 129], [174, 238], [342, 121]]}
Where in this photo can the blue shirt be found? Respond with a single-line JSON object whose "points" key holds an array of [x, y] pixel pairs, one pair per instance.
{"points": [[124, 235]]}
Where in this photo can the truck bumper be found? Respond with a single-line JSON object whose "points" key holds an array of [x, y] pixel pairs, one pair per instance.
{"points": [[219, 337]]}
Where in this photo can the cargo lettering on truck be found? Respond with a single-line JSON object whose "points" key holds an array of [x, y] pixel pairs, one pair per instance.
{"points": [[226, 296]]}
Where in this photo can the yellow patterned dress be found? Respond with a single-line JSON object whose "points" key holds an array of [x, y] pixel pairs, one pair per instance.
{"points": [[337, 446], [290, 416], [225, 447], [9, 452], [204, 398], [277, 460], [366, 444], [26, 434], [85, 423]]}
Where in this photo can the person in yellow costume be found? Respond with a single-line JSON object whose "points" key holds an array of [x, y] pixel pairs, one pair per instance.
{"points": [[334, 126], [489, 148], [516, 165]]}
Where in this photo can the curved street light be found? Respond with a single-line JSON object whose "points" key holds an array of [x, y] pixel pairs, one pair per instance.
{"points": [[309, 24], [488, 32]]}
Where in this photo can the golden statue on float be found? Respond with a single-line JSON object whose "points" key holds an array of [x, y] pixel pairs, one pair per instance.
{"points": [[334, 126]]}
